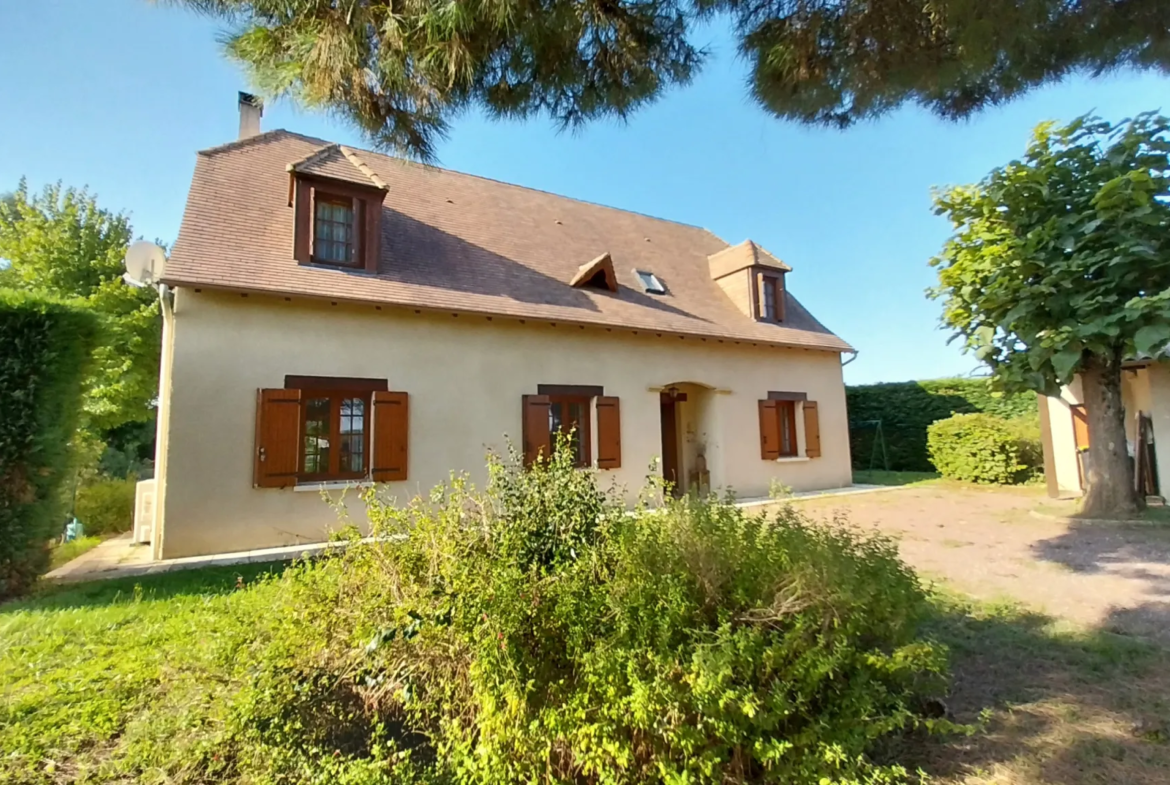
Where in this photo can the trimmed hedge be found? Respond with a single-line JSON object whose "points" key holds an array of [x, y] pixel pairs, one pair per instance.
{"points": [[907, 409], [106, 506], [45, 346], [984, 448]]}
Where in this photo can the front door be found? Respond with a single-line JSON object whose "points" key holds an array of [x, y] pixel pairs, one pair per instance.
{"points": [[670, 443]]}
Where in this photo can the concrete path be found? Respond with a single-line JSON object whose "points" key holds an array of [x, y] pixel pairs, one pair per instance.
{"points": [[120, 557]]}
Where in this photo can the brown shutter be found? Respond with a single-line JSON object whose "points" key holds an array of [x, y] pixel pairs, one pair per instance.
{"points": [[358, 210], [812, 430], [278, 438], [391, 431], [536, 434], [372, 236], [1080, 417], [781, 298], [302, 222], [609, 433], [769, 430]]}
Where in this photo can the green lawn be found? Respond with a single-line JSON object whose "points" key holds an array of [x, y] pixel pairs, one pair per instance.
{"points": [[133, 681], [879, 477], [66, 552], [124, 681]]}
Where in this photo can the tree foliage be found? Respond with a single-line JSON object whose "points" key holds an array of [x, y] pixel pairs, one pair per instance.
{"points": [[60, 243], [46, 348], [1064, 254], [907, 409], [1060, 264], [401, 70]]}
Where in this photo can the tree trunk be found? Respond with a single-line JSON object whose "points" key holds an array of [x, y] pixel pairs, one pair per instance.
{"points": [[1109, 473]]}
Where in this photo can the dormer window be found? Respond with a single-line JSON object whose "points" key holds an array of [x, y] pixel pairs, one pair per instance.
{"points": [[771, 297], [334, 230], [650, 282]]}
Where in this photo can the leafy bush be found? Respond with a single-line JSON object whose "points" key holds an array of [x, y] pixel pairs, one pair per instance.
{"points": [[983, 448], [906, 410], [46, 351], [537, 632], [106, 506]]}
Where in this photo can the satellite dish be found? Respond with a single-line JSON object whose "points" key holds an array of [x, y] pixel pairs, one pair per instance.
{"points": [[145, 263]]}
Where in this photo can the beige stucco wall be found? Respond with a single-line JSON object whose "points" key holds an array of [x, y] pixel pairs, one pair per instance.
{"points": [[465, 376], [1146, 390], [1064, 453]]}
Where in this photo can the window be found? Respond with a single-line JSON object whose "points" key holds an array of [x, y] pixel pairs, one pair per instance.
{"points": [[335, 434], [569, 415], [787, 423], [334, 235], [336, 223], [568, 409], [650, 282], [319, 429], [778, 438], [771, 298]]}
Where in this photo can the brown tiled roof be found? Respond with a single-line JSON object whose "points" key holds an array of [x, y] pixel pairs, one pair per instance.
{"points": [[460, 243]]}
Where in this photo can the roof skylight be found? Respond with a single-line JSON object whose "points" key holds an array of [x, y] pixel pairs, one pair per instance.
{"points": [[650, 282]]}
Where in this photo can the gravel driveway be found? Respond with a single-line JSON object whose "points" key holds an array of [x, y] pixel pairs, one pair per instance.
{"points": [[985, 542]]}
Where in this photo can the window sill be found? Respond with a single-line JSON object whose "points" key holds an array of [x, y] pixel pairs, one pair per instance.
{"points": [[329, 485], [793, 459]]}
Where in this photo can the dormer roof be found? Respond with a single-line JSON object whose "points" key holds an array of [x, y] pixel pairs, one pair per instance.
{"points": [[458, 243]]}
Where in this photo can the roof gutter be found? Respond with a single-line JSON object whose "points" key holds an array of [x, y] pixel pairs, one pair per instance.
{"points": [[853, 352], [379, 304]]}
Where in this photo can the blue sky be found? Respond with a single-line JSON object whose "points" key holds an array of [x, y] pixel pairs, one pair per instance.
{"points": [[127, 91]]}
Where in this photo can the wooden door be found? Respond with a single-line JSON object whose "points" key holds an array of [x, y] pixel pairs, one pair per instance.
{"points": [[670, 443]]}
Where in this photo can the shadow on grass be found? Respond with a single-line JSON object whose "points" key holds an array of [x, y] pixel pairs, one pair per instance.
{"points": [[207, 581], [1053, 705]]}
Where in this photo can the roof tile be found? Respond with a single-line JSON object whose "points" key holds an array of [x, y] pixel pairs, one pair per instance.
{"points": [[459, 242]]}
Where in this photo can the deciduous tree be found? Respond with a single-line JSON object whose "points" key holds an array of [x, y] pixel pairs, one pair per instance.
{"points": [[400, 69], [61, 243], [1060, 265]]}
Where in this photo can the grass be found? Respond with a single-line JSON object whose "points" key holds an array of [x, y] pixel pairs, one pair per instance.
{"points": [[132, 681], [1071, 510], [880, 477], [123, 681], [68, 551]]}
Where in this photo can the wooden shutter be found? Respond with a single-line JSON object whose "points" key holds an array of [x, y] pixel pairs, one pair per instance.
{"points": [[609, 433], [391, 432], [278, 438], [1080, 417], [372, 232], [536, 434], [302, 222], [812, 430], [769, 430]]}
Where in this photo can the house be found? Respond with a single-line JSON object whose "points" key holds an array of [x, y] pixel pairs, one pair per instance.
{"points": [[1064, 429], [336, 316]]}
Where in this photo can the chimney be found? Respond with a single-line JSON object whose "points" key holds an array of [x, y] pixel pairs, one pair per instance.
{"points": [[250, 111]]}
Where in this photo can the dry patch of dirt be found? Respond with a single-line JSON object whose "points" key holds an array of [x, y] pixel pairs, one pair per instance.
{"points": [[1063, 656], [984, 542]]}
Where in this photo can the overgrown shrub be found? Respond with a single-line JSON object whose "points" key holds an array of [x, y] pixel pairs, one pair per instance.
{"points": [[983, 448], [45, 347], [537, 632], [906, 410], [106, 506]]}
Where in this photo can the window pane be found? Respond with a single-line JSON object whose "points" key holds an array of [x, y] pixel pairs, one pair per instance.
{"points": [[316, 448], [576, 423], [353, 434], [333, 232]]}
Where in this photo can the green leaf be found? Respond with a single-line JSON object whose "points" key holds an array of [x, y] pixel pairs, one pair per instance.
{"points": [[1065, 361], [1151, 339]]}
